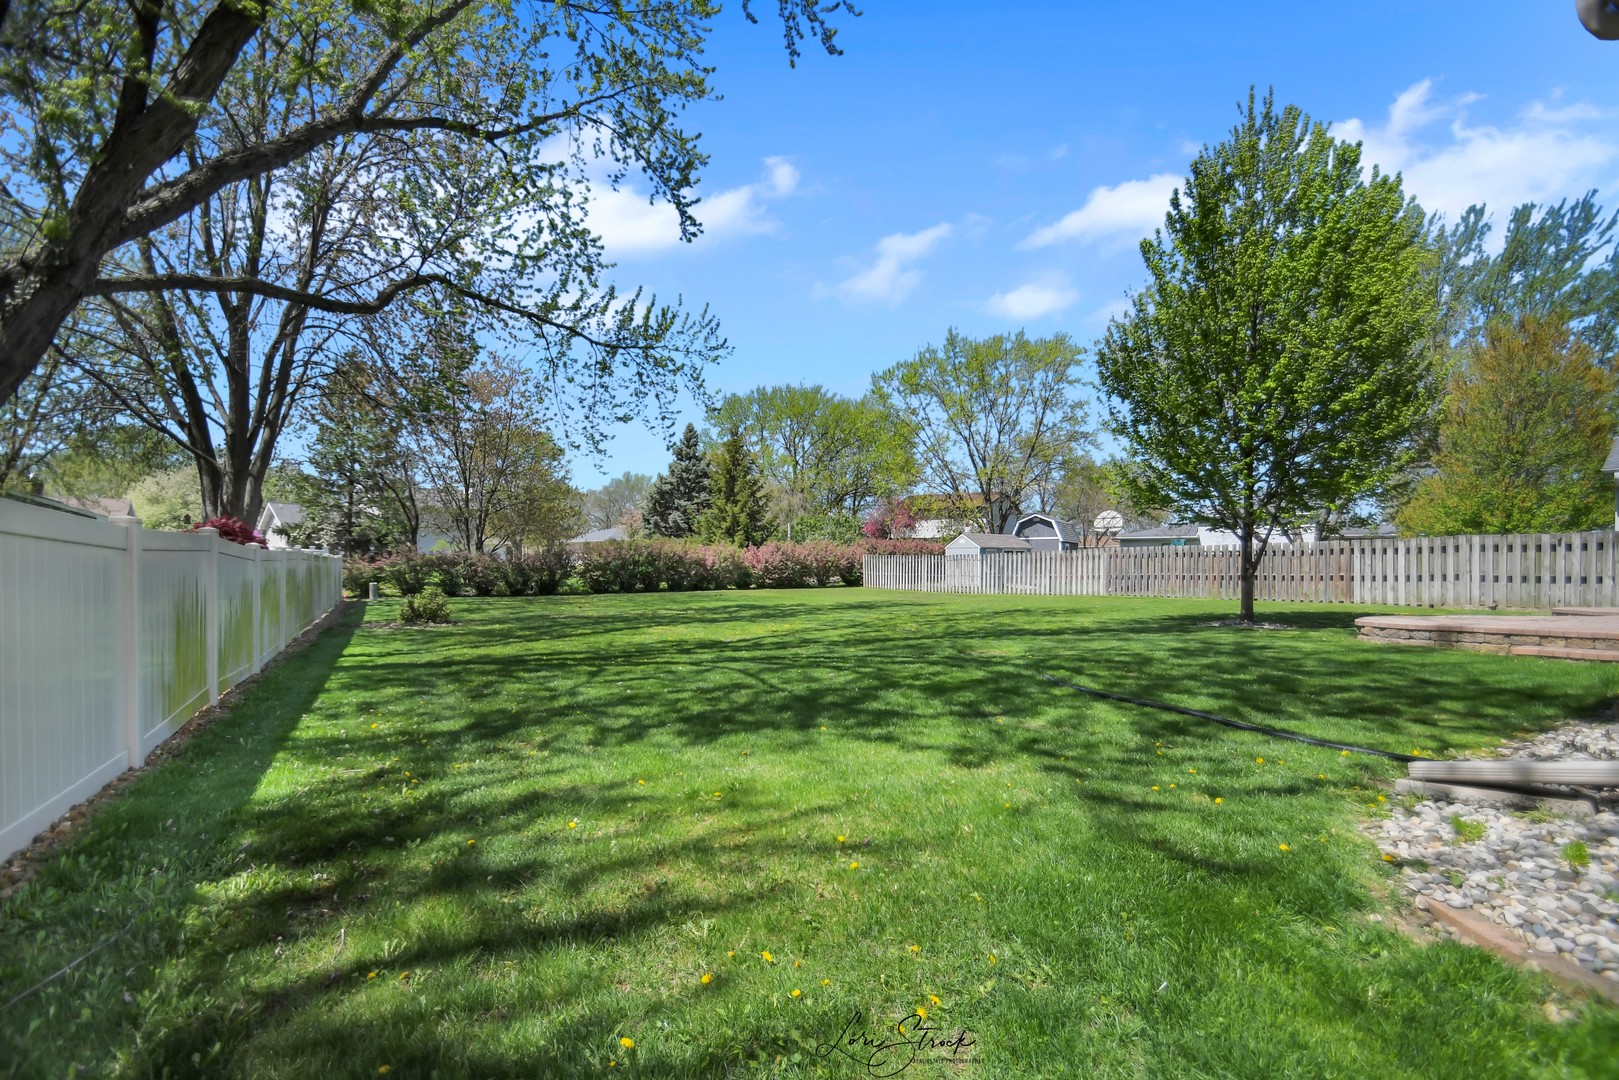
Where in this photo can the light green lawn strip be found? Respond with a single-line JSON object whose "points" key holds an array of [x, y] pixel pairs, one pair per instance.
{"points": [[398, 802]]}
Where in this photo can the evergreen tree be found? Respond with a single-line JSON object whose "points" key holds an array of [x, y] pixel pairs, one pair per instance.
{"points": [[736, 513], [679, 496]]}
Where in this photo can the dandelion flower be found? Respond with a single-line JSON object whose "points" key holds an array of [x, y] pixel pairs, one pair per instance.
{"points": [[708, 977], [1387, 857], [403, 975], [1381, 799], [915, 948], [1006, 806], [1259, 760], [798, 963], [731, 953], [1192, 771], [992, 959], [372, 975], [716, 794], [1343, 753], [374, 725], [471, 842], [841, 839], [1320, 776], [767, 957], [922, 1012], [797, 993], [1155, 787], [854, 866], [383, 1070], [627, 1043], [1171, 787], [1283, 847], [935, 999], [642, 782], [826, 982], [574, 824], [1218, 800]]}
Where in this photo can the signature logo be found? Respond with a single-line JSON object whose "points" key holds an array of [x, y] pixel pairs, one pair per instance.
{"points": [[891, 1053]]}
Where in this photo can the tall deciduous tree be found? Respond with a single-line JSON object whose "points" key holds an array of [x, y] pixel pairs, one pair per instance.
{"points": [[820, 452], [1525, 431], [991, 417], [621, 502], [1272, 368], [679, 497], [736, 512], [116, 121]]}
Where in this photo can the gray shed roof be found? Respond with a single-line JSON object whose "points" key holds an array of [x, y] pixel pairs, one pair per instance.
{"points": [[993, 541], [1164, 532], [1066, 531], [1612, 464]]}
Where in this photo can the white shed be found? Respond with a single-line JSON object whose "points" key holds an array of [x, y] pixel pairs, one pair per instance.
{"points": [[963, 555]]}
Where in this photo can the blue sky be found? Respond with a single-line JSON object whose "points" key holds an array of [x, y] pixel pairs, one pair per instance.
{"points": [[962, 167]]}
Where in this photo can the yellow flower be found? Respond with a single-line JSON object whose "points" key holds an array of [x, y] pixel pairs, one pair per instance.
{"points": [[797, 992], [823, 727], [1343, 753], [374, 725], [841, 839], [1259, 760], [1155, 787], [992, 959], [731, 953], [1381, 799], [1218, 800], [1387, 857], [716, 794], [574, 824], [768, 958], [920, 1011], [627, 1043], [854, 866], [798, 963], [403, 975], [1283, 847], [471, 842], [915, 948], [1171, 787], [383, 1070], [935, 999], [1320, 776], [1193, 771], [643, 782], [826, 982], [372, 975], [708, 977]]}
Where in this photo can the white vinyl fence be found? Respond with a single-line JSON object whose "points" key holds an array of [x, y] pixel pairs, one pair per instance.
{"points": [[112, 636], [1532, 571]]}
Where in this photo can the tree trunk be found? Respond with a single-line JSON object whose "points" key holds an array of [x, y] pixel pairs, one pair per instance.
{"points": [[1250, 570]]}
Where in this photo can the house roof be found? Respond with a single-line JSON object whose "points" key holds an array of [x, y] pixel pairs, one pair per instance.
{"points": [[1612, 464], [1160, 532], [596, 536], [1067, 532], [106, 507], [288, 513], [992, 541]]}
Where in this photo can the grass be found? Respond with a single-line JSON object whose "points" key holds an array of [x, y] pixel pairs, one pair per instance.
{"points": [[499, 848], [1467, 832]]}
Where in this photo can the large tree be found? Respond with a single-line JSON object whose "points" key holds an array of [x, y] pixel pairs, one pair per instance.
{"points": [[736, 511], [1272, 370], [679, 497], [821, 453], [1525, 431], [989, 417], [621, 502], [116, 121]]}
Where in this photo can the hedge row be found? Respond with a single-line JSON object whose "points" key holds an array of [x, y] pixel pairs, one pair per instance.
{"points": [[626, 566]]}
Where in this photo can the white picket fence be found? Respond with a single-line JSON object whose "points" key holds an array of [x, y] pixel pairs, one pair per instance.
{"points": [[1530, 571], [112, 636]]}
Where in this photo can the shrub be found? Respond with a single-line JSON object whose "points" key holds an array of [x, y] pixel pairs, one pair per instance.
{"points": [[903, 547], [449, 569], [537, 573], [358, 574], [427, 606], [409, 573], [481, 573], [232, 529]]}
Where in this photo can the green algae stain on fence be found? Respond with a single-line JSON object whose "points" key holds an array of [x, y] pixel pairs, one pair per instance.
{"points": [[185, 683], [235, 633], [270, 609]]}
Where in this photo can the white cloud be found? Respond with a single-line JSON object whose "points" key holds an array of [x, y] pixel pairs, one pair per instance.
{"points": [[1130, 210], [1034, 299], [629, 224], [1449, 164], [890, 277]]}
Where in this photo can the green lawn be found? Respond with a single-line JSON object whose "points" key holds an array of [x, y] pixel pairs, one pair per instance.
{"points": [[500, 848]]}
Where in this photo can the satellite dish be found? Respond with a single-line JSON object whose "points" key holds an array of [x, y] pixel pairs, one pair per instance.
{"points": [[1108, 522], [1601, 17]]}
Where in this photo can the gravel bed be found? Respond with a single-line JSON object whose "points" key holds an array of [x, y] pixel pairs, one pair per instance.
{"points": [[1521, 869]]}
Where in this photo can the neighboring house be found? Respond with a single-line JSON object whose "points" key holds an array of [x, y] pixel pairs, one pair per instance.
{"points": [[107, 508], [973, 545], [1046, 532], [941, 515], [1611, 467], [273, 518], [597, 536]]}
